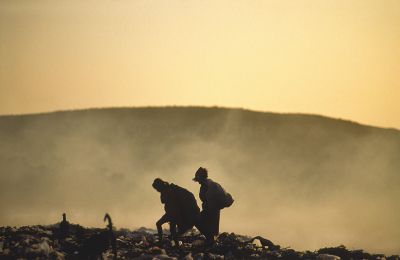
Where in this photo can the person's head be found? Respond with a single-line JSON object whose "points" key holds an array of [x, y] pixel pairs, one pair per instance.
{"points": [[201, 175], [159, 184]]}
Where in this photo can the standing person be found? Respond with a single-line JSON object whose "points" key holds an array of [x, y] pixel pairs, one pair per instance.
{"points": [[64, 226], [181, 210], [214, 198]]}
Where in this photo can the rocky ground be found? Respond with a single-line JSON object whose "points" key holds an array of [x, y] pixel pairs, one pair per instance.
{"points": [[44, 242]]}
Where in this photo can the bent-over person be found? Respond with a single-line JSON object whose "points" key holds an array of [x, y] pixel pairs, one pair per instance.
{"points": [[181, 210]]}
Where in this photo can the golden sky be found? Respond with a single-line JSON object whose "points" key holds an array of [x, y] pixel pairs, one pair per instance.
{"points": [[339, 58]]}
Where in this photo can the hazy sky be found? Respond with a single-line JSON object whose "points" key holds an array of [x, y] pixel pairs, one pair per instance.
{"points": [[339, 58]]}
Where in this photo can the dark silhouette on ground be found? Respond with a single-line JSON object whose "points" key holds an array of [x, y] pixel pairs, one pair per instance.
{"points": [[64, 227], [94, 246], [181, 210], [37, 242]]}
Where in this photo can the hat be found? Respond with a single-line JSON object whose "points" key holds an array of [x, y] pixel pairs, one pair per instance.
{"points": [[201, 174]]}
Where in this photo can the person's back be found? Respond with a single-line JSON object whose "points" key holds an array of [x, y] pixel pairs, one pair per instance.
{"points": [[188, 208], [181, 208], [171, 204], [216, 196]]}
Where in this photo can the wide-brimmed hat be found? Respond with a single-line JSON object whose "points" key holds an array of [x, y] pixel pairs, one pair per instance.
{"points": [[201, 174]]}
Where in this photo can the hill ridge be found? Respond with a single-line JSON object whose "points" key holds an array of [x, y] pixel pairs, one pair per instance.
{"points": [[122, 108]]}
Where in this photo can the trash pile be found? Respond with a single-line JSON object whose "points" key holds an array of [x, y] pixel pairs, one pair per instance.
{"points": [[46, 242]]}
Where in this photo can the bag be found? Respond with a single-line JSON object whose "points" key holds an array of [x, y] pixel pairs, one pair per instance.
{"points": [[218, 196], [228, 200]]}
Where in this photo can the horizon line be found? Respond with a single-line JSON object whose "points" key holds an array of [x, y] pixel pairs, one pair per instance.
{"points": [[195, 106]]}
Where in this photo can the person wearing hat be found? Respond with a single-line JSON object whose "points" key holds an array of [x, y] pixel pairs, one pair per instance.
{"points": [[181, 210], [214, 198]]}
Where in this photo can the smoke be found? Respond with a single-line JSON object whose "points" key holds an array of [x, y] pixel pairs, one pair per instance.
{"points": [[301, 181]]}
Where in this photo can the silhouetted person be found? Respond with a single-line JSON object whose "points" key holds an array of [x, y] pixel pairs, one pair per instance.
{"points": [[214, 198], [181, 210], [64, 227], [95, 245]]}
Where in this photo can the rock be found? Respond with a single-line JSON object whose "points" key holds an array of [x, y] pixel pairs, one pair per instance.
{"points": [[214, 256], [198, 243], [257, 243], [266, 243], [156, 250], [6, 252], [290, 254], [327, 257], [229, 255], [199, 256], [40, 249], [57, 255], [340, 251], [229, 239], [165, 257], [360, 254], [172, 243], [154, 257], [187, 257], [376, 256], [144, 257], [143, 242]]}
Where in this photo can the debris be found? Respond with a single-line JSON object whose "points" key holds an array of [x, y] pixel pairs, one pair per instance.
{"points": [[188, 257], [327, 257], [38, 242], [257, 243], [198, 243]]}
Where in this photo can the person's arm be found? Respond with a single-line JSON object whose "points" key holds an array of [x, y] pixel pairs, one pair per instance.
{"points": [[163, 197], [212, 196], [203, 196]]}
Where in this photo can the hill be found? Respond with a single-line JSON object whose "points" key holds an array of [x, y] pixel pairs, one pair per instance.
{"points": [[302, 180]]}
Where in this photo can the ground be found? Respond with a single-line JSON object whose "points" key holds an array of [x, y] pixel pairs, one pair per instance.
{"points": [[47, 242]]}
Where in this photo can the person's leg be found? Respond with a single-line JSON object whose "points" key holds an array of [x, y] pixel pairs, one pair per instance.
{"points": [[209, 227], [217, 218], [172, 229], [213, 219], [183, 228], [164, 219], [201, 223]]}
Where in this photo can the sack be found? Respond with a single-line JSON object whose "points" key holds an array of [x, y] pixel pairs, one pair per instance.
{"points": [[217, 196], [228, 200]]}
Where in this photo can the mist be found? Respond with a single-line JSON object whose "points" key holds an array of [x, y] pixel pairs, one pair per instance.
{"points": [[302, 181]]}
